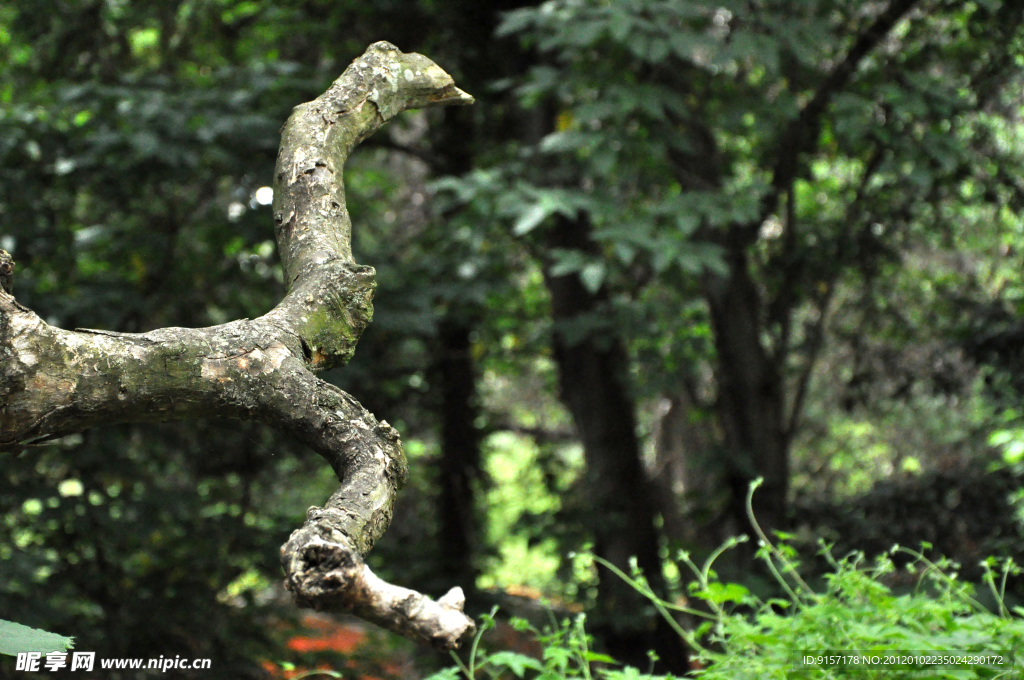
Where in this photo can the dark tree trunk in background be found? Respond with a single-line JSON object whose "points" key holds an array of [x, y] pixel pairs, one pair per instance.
{"points": [[460, 451], [593, 372], [594, 383], [458, 529], [688, 471], [751, 398]]}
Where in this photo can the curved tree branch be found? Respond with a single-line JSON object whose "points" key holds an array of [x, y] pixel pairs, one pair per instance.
{"points": [[55, 382]]}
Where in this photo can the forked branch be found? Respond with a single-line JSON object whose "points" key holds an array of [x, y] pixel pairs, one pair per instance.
{"points": [[55, 382]]}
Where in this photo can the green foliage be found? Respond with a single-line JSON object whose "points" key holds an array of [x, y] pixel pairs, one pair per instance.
{"points": [[859, 612], [526, 494], [672, 122], [567, 653], [966, 513], [96, 543], [1010, 441], [862, 608], [16, 638]]}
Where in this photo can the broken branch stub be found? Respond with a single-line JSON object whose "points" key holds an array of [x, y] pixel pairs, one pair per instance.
{"points": [[6, 272], [264, 369]]}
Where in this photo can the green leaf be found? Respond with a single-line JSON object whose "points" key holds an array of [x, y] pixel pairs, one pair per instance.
{"points": [[725, 592], [1001, 437], [516, 21], [547, 202], [16, 638], [515, 662], [620, 26], [592, 276], [530, 218], [569, 140], [567, 262]]}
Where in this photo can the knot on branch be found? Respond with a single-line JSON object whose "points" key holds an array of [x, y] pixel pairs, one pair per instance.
{"points": [[323, 575], [328, 575]]}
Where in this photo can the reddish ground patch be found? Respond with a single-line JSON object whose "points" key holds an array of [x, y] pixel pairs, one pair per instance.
{"points": [[328, 636], [318, 634]]}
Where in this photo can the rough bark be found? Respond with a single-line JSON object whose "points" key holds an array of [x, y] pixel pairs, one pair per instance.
{"points": [[6, 272], [54, 382]]}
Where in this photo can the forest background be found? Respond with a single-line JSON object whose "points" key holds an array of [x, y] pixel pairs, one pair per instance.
{"points": [[674, 247]]}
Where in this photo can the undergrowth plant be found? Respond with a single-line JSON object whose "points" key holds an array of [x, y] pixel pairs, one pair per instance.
{"points": [[858, 624], [566, 654]]}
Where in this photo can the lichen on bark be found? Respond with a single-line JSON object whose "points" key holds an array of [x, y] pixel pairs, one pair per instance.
{"points": [[55, 382]]}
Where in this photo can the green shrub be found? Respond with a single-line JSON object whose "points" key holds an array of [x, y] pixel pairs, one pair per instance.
{"points": [[566, 654], [866, 620], [858, 616]]}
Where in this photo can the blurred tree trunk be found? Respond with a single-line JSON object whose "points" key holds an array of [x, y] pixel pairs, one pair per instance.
{"points": [[460, 438], [751, 390], [460, 451], [750, 324], [751, 396], [594, 384], [593, 371], [688, 471]]}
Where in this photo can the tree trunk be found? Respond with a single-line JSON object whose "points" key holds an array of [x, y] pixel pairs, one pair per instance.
{"points": [[456, 372], [594, 382], [689, 473], [750, 398], [460, 452]]}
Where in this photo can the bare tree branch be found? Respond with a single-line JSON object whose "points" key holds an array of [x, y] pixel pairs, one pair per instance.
{"points": [[55, 382]]}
